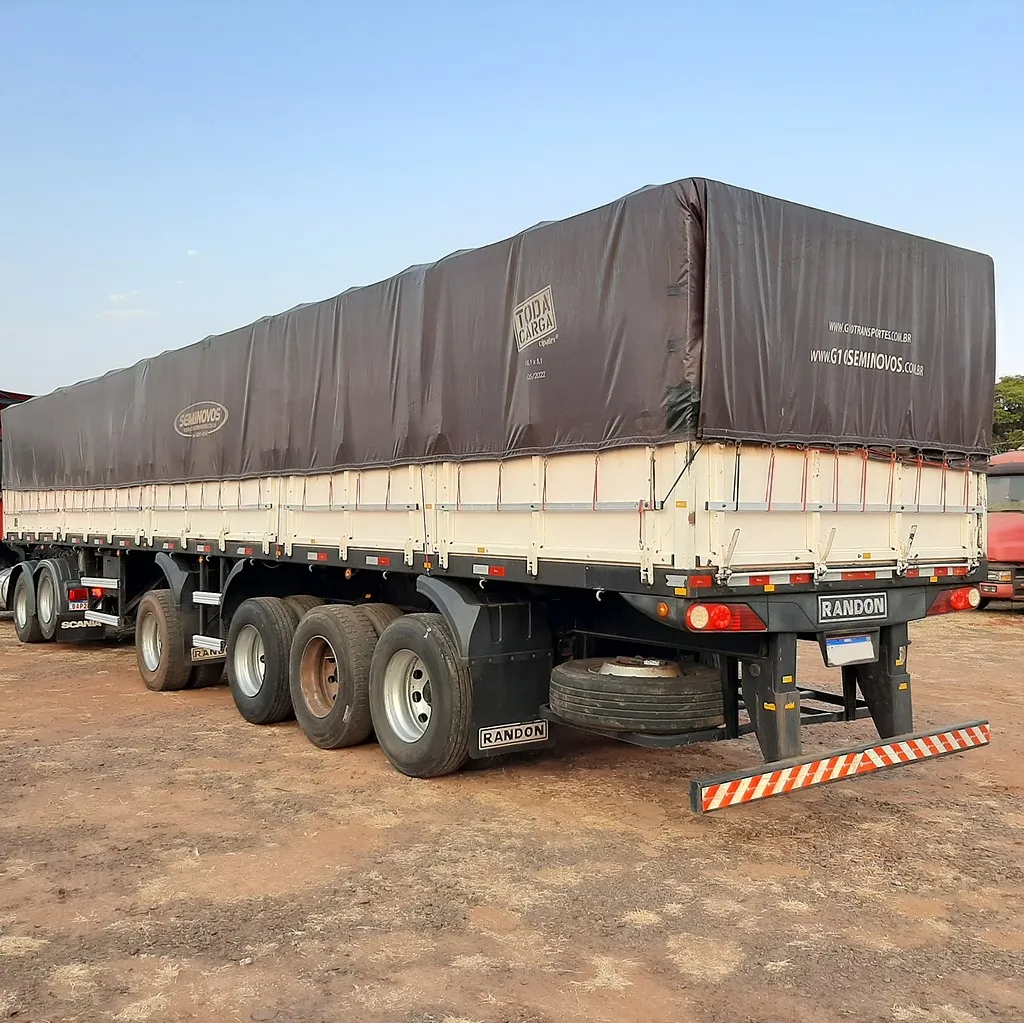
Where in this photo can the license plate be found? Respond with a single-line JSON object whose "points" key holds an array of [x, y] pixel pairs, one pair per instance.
{"points": [[842, 650], [849, 607], [78, 605]]}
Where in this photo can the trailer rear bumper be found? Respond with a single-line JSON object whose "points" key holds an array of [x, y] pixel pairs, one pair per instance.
{"points": [[776, 779]]}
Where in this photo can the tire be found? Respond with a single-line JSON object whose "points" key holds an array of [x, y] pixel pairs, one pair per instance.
{"points": [[330, 673], [51, 596], [689, 702], [202, 676], [259, 642], [381, 616], [301, 605], [160, 643], [983, 603], [400, 699], [26, 624]]}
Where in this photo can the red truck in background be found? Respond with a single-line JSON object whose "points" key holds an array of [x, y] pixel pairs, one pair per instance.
{"points": [[1005, 528]]}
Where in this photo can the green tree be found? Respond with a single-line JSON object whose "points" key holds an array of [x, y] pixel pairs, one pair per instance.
{"points": [[1008, 419]]}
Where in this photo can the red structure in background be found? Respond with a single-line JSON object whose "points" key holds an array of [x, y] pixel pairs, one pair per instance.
{"points": [[1005, 528]]}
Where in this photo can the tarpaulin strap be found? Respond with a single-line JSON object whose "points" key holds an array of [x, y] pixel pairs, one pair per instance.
{"points": [[967, 482], [497, 503], [864, 483], [835, 480], [597, 458], [544, 485], [945, 468], [771, 480], [387, 493], [920, 470], [892, 478], [803, 481]]}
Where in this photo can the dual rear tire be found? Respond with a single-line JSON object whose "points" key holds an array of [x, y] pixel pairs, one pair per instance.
{"points": [[370, 669]]}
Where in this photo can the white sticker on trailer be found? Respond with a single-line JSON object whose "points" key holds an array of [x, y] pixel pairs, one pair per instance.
{"points": [[513, 735], [853, 607]]}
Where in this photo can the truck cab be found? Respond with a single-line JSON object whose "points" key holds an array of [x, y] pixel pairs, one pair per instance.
{"points": [[1005, 528]]}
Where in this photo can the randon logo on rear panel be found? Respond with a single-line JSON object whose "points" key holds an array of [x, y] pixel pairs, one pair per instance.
{"points": [[534, 320]]}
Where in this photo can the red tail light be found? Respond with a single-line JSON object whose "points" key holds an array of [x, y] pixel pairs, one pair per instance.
{"points": [[723, 618], [965, 599], [97, 592], [78, 594]]}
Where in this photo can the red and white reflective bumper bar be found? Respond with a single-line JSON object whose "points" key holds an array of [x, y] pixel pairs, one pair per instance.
{"points": [[801, 773]]}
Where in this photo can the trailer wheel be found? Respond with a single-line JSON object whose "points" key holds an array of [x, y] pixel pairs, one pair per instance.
{"points": [[259, 642], [637, 695], [421, 697], [303, 604], [329, 673], [51, 597], [26, 624], [381, 616], [159, 643], [202, 676]]}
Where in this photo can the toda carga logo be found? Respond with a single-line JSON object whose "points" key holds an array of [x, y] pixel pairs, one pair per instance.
{"points": [[200, 419]]}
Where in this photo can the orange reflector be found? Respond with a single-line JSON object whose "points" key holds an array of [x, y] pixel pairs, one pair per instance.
{"points": [[664, 610]]}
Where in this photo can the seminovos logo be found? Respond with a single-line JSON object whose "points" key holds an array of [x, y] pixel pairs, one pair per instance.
{"points": [[200, 419]]}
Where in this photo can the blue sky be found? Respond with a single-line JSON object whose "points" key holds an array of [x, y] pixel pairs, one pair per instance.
{"points": [[174, 170]]}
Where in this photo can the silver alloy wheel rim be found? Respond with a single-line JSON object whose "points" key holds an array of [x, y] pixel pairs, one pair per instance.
{"points": [[407, 696], [21, 606], [44, 599], [249, 660], [151, 641]]}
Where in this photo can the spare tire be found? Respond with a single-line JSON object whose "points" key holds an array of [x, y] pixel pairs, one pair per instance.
{"points": [[637, 695]]}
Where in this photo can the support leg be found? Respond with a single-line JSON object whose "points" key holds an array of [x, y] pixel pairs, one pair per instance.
{"points": [[731, 695], [886, 684], [850, 692], [772, 700]]}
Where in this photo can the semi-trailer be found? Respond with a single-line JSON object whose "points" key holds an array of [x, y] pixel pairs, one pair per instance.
{"points": [[605, 474]]}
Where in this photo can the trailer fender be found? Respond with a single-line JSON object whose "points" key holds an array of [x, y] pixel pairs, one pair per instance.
{"points": [[506, 643], [179, 575], [23, 568], [229, 601]]}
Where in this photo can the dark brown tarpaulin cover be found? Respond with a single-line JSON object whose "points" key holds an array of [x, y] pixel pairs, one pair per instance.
{"points": [[688, 309]]}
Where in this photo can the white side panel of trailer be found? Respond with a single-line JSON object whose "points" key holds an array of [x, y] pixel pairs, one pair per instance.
{"points": [[678, 506]]}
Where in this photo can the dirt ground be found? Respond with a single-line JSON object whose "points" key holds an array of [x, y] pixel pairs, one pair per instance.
{"points": [[162, 860]]}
